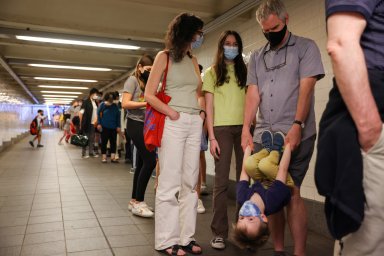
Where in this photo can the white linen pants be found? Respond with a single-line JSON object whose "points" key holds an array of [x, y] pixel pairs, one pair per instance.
{"points": [[369, 238], [175, 217]]}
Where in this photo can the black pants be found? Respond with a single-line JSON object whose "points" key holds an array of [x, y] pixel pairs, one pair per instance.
{"points": [[111, 135], [146, 162], [128, 147]]}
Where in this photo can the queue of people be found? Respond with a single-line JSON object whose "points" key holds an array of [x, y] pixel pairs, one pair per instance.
{"points": [[275, 94]]}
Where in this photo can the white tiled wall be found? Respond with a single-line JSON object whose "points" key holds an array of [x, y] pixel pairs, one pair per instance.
{"points": [[306, 18], [15, 112]]}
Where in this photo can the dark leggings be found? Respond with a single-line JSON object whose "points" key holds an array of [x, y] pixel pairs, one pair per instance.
{"points": [[147, 161], [111, 135]]}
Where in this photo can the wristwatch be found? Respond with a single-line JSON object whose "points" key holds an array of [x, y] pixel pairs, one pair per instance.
{"points": [[302, 125]]}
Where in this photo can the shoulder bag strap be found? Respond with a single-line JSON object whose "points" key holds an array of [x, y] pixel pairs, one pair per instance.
{"points": [[165, 74]]}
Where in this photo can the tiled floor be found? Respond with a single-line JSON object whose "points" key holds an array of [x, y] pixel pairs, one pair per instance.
{"points": [[52, 202]]}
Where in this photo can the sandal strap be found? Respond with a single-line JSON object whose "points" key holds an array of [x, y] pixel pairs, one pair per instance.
{"points": [[175, 249], [189, 246]]}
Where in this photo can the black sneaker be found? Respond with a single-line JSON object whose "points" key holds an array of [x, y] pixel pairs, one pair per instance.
{"points": [[266, 140], [39, 146], [31, 143], [278, 141]]}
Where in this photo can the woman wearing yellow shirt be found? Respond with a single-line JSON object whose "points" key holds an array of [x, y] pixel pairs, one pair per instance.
{"points": [[224, 86]]}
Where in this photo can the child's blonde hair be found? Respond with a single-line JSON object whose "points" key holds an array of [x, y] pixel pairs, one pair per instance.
{"points": [[246, 241]]}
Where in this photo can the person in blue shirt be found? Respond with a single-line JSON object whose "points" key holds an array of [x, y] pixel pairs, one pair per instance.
{"points": [[108, 119], [257, 202]]}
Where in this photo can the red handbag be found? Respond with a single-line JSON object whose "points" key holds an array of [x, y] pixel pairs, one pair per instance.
{"points": [[154, 120]]}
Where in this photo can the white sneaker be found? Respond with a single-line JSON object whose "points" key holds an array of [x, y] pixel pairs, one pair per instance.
{"points": [[218, 243], [85, 156], [149, 207], [60, 143], [200, 206], [130, 205], [141, 209]]}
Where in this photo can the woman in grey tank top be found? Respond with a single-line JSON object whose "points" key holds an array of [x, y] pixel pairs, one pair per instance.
{"points": [[175, 218]]}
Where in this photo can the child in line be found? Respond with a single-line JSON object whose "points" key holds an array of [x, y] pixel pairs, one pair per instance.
{"points": [[39, 120], [257, 202], [67, 129]]}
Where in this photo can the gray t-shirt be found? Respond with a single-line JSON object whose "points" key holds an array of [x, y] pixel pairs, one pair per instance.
{"points": [[132, 87], [277, 75]]}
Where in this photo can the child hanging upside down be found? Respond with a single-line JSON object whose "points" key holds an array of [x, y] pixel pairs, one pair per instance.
{"points": [[257, 201]]}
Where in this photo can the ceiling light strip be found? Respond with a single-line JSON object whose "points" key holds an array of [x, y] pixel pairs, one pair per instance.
{"points": [[60, 96], [65, 79], [63, 87], [77, 42], [61, 92], [68, 67]]}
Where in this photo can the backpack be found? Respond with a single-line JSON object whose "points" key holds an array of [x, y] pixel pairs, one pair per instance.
{"points": [[33, 127]]}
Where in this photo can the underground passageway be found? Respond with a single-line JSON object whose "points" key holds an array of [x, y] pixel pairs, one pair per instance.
{"points": [[53, 202]]}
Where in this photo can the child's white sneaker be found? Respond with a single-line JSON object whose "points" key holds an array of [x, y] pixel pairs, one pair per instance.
{"points": [[200, 206]]}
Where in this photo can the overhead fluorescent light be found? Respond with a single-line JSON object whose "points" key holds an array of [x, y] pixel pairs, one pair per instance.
{"points": [[60, 96], [68, 67], [56, 103], [61, 92], [64, 101], [65, 79], [77, 42], [50, 100], [63, 87]]}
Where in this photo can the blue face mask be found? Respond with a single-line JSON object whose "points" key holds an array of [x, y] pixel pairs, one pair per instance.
{"points": [[198, 42], [230, 52], [250, 209]]}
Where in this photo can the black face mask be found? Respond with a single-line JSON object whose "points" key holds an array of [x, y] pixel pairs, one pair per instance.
{"points": [[145, 76], [275, 38]]}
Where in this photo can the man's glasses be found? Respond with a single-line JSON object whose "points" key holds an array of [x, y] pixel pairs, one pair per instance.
{"points": [[278, 65]]}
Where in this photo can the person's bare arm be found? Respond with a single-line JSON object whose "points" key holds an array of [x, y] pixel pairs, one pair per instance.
{"points": [[350, 69], [252, 100], [243, 174], [199, 91], [152, 85], [282, 173], [307, 87], [127, 102]]}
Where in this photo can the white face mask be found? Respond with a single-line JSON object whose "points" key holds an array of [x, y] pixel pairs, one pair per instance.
{"points": [[116, 101], [95, 97]]}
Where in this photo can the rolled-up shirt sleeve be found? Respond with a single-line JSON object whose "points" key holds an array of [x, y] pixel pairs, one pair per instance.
{"points": [[364, 7]]}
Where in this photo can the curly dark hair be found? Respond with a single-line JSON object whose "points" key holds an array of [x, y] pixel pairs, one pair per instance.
{"points": [[244, 241], [180, 34], [220, 66]]}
